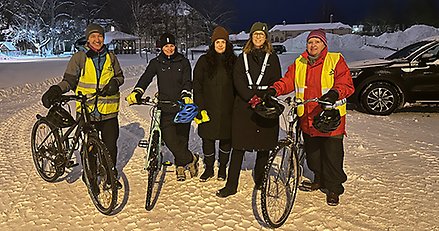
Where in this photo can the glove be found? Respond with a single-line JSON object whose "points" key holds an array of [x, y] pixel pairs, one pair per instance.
{"points": [[111, 88], [254, 101], [134, 96], [271, 92], [331, 96], [202, 117], [50, 95], [186, 97]]}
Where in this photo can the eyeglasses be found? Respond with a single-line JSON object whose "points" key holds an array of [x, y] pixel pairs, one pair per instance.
{"points": [[258, 34]]}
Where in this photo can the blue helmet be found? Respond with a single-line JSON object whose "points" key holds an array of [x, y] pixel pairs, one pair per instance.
{"points": [[186, 114]]}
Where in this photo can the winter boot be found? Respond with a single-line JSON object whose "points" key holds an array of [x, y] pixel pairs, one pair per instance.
{"points": [[208, 173], [181, 176], [223, 161], [193, 166]]}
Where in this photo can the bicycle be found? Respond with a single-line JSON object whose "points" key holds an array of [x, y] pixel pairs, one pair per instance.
{"points": [[53, 144], [153, 144], [284, 168]]}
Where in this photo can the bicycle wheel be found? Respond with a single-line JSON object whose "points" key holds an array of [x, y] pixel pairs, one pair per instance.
{"points": [[279, 187], [153, 169], [47, 151], [99, 174]]}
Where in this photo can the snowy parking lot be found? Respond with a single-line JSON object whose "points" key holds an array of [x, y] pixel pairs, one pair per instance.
{"points": [[392, 163]]}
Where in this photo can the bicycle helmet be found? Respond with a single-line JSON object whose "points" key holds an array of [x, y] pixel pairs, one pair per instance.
{"points": [[269, 109], [186, 114], [327, 121], [60, 117]]}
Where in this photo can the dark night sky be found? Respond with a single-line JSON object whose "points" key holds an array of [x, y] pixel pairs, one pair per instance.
{"points": [[346, 11], [275, 11]]}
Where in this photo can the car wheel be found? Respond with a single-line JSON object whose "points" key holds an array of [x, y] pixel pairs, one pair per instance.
{"points": [[380, 98]]}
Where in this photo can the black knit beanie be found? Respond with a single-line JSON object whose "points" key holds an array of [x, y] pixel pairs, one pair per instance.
{"points": [[166, 38]]}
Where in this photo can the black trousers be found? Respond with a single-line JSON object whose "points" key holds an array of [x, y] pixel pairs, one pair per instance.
{"points": [[235, 168], [324, 156], [176, 137], [109, 130], [209, 146]]}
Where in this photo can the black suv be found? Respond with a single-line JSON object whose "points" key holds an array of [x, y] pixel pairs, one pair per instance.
{"points": [[408, 75]]}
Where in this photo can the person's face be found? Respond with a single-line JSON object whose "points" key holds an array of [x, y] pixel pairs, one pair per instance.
{"points": [[258, 38], [315, 46], [220, 46], [96, 40], [168, 49]]}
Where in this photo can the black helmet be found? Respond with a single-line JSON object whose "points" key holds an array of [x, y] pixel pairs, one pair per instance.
{"points": [[327, 120], [60, 117], [269, 109]]}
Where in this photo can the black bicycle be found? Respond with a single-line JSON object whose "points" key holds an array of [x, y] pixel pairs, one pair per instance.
{"points": [[154, 163], [56, 136], [284, 168]]}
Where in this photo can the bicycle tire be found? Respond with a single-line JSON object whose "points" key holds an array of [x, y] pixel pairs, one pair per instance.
{"points": [[47, 151], [99, 174], [279, 186], [153, 169]]}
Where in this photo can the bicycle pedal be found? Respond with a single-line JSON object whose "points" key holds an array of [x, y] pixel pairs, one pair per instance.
{"points": [[167, 163], [143, 143], [71, 164]]}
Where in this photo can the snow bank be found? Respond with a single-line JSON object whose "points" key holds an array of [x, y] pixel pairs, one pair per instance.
{"points": [[396, 40]]}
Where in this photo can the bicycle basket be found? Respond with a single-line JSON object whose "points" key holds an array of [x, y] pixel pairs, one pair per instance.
{"points": [[60, 117], [269, 109], [186, 114]]}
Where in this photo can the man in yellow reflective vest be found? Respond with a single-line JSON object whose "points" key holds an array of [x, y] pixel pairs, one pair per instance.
{"points": [[317, 73], [95, 70]]}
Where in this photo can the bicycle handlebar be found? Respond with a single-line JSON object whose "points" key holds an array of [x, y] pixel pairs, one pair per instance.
{"points": [[295, 102], [154, 101]]}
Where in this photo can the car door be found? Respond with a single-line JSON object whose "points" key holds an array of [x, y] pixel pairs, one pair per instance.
{"points": [[421, 78]]}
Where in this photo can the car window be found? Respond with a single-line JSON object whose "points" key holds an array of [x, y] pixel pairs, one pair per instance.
{"points": [[434, 51], [406, 51]]}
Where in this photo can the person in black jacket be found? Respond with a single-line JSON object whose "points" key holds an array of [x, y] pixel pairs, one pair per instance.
{"points": [[174, 82], [256, 68], [214, 95]]}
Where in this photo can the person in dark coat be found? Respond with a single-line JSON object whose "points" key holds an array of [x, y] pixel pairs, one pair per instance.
{"points": [[214, 95], [250, 131], [174, 82]]}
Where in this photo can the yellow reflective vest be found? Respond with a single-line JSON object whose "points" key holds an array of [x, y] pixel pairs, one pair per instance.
{"points": [[327, 79], [88, 84]]}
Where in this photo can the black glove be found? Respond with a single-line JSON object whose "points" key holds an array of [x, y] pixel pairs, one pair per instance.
{"points": [[51, 94], [331, 96], [111, 88], [271, 92]]}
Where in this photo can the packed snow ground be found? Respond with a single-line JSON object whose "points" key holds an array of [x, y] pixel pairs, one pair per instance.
{"points": [[392, 163]]}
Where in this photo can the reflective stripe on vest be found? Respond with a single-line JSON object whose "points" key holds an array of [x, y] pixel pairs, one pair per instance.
{"points": [[88, 83], [327, 79], [258, 81]]}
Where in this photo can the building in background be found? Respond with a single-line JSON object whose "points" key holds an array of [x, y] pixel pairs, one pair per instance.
{"points": [[280, 33]]}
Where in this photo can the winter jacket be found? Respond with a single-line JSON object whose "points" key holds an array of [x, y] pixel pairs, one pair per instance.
{"points": [[173, 76], [342, 84], [89, 71], [213, 92], [249, 130]]}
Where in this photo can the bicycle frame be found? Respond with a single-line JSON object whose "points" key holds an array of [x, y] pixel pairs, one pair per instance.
{"points": [[154, 127], [82, 125]]}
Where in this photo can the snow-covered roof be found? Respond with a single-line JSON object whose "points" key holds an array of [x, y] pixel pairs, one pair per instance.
{"points": [[310, 26], [8, 45], [240, 36], [118, 35]]}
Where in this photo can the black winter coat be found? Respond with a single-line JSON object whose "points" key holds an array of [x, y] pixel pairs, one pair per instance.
{"points": [[173, 76], [213, 92], [249, 130]]}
